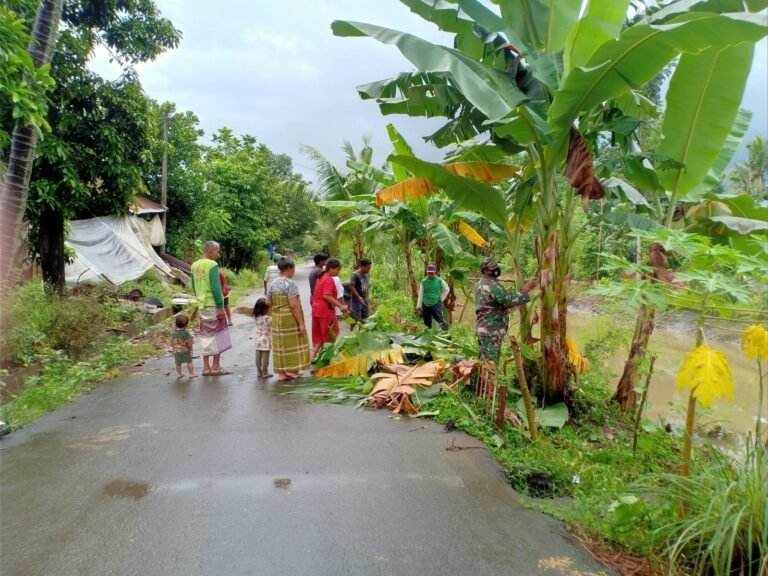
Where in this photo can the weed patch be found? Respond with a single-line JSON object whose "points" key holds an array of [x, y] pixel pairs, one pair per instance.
{"points": [[61, 379]]}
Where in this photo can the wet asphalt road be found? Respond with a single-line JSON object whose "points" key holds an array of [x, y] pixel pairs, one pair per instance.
{"points": [[224, 476]]}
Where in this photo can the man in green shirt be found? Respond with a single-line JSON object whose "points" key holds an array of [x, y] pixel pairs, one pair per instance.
{"points": [[214, 330], [432, 291]]}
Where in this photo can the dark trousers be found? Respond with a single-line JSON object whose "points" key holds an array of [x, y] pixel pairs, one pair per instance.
{"points": [[435, 311]]}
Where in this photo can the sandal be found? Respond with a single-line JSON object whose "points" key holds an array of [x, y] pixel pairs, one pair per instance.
{"points": [[222, 372], [208, 373]]}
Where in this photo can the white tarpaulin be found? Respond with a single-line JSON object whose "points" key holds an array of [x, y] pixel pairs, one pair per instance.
{"points": [[109, 248]]}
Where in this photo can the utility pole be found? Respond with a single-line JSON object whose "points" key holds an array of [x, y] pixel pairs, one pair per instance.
{"points": [[164, 177]]}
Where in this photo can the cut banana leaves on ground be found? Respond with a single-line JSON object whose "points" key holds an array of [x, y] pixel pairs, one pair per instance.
{"points": [[404, 388], [347, 365]]}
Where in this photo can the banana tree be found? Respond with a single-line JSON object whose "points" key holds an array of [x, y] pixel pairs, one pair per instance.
{"points": [[523, 79]]}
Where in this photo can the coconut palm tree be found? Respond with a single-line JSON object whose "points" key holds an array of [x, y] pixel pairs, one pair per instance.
{"points": [[15, 181], [750, 176]]}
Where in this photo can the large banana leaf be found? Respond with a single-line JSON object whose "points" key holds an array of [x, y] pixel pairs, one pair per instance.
{"points": [[702, 102], [446, 239], [542, 65], [741, 225], [471, 234], [541, 24], [601, 22], [468, 193], [483, 171], [441, 13], [408, 189], [685, 6], [411, 188], [401, 147], [492, 92], [427, 94], [642, 51], [727, 151]]}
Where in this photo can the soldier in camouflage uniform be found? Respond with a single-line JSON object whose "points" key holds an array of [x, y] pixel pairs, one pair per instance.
{"points": [[492, 304]]}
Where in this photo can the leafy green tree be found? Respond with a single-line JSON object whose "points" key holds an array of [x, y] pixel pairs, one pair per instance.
{"points": [[526, 77], [92, 162], [258, 191]]}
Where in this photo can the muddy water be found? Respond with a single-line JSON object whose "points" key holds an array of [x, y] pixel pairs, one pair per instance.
{"points": [[671, 346]]}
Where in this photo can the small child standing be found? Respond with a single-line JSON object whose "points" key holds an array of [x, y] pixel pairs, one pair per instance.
{"points": [[263, 337], [182, 342]]}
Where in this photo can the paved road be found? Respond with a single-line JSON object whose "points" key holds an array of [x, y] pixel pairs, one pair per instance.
{"points": [[150, 476]]}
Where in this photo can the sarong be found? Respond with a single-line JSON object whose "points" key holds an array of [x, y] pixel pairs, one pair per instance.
{"points": [[290, 350], [324, 330], [359, 311], [214, 333]]}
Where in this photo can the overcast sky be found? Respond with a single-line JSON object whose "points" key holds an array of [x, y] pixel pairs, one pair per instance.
{"points": [[275, 70]]}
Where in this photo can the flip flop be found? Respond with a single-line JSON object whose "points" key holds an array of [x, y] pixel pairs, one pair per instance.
{"points": [[206, 373]]}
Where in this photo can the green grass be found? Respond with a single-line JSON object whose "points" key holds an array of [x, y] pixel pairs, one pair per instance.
{"points": [[61, 380]]}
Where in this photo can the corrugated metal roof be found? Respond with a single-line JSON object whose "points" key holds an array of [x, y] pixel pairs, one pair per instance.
{"points": [[144, 205]]}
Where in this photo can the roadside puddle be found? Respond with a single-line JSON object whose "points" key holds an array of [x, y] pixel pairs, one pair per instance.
{"points": [[127, 489]]}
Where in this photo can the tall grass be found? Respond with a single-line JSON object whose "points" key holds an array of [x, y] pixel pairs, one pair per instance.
{"points": [[725, 531]]}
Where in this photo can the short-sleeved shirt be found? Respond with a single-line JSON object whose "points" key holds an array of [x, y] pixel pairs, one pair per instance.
{"points": [[270, 274], [321, 308], [339, 292], [314, 274], [182, 342], [284, 286], [360, 282], [263, 335]]}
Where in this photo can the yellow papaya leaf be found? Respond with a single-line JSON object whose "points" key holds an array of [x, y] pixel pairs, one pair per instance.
{"points": [[754, 342], [472, 235], [483, 171], [406, 190], [707, 373]]}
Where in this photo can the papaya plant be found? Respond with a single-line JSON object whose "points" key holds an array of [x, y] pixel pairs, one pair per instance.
{"points": [[525, 78]]}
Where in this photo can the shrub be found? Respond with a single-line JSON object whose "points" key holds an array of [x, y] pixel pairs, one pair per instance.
{"points": [[78, 320], [34, 308]]}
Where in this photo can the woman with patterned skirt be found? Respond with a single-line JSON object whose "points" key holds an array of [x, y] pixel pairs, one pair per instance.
{"points": [[290, 347]]}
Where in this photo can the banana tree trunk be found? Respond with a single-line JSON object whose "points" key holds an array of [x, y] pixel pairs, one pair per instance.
{"points": [[411, 275], [13, 201], [358, 248], [625, 393], [554, 368]]}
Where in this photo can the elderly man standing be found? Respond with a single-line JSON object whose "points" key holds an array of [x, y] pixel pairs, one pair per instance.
{"points": [[492, 305], [432, 291], [214, 330]]}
